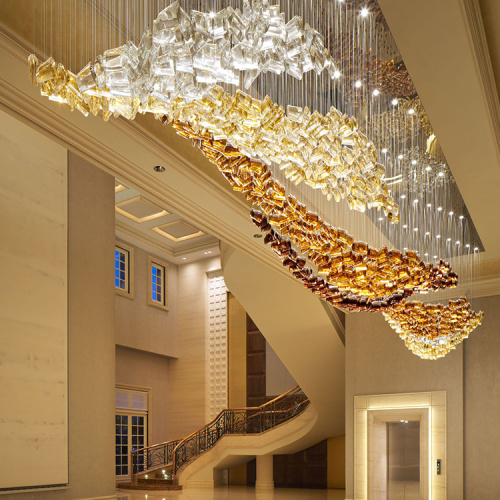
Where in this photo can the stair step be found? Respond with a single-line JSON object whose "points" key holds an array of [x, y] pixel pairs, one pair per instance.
{"points": [[154, 485]]}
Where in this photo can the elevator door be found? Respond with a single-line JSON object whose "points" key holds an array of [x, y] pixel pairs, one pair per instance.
{"points": [[403, 460]]}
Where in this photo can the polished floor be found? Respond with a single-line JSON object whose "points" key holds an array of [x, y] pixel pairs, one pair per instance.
{"points": [[233, 493]]}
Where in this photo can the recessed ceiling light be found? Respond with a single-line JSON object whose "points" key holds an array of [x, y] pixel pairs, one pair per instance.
{"points": [[400, 157], [476, 249], [376, 92], [414, 162], [184, 258], [357, 84], [159, 168], [384, 150], [405, 226], [440, 208], [415, 228], [428, 168], [438, 236], [380, 218], [450, 213], [394, 102], [467, 246], [461, 217], [336, 74], [429, 205], [427, 233], [411, 111], [206, 253], [364, 11], [448, 239], [441, 174], [403, 196]]}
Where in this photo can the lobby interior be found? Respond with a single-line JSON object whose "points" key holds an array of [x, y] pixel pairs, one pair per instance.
{"points": [[233, 329]]}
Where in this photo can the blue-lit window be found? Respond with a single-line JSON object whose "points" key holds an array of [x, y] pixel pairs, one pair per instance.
{"points": [[123, 261], [157, 283]]}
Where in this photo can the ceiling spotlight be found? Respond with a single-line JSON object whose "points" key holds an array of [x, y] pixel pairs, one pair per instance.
{"points": [[211, 15], [427, 233], [257, 235], [461, 217], [440, 208], [411, 111], [380, 218], [206, 253], [384, 150], [357, 84], [450, 213], [435, 257], [415, 201], [405, 226], [394, 102], [364, 12], [429, 205], [403, 196], [376, 92], [159, 168], [441, 174], [476, 249], [184, 258], [428, 169], [415, 228], [400, 157], [404, 249], [336, 74], [414, 162], [448, 239], [438, 236], [457, 242], [467, 246], [426, 255]]}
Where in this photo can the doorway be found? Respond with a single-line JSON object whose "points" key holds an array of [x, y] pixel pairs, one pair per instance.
{"points": [[403, 460], [131, 428]]}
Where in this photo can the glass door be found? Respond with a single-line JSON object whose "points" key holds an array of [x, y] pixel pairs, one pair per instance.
{"points": [[131, 428]]}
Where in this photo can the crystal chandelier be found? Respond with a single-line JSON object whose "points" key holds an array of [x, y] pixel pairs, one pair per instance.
{"points": [[188, 72]]}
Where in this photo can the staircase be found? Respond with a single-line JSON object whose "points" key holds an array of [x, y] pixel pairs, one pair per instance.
{"points": [[172, 457]]}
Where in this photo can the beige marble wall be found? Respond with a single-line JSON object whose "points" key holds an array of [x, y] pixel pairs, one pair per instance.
{"points": [[188, 372], [141, 326], [377, 362], [482, 404], [33, 308], [91, 331], [146, 370]]}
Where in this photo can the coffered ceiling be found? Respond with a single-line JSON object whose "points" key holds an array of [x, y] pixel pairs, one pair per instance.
{"points": [[150, 225]]}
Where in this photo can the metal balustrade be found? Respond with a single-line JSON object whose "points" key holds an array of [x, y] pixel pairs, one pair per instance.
{"points": [[253, 420]]}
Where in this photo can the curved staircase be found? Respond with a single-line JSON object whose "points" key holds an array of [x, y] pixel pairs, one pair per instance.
{"points": [[176, 458]]}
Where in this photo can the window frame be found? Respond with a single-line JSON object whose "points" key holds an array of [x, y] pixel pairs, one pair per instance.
{"points": [[129, 294], [160, 263]]}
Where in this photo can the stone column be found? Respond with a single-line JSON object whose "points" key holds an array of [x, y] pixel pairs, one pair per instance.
{"points": [[264, 473]]}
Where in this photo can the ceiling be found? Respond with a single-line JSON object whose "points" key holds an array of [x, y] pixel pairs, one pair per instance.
{"points": [[454, 62], [148, 224]]}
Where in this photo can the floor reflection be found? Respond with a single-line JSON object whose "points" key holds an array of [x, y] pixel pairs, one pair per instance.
{"points": [[232, 493]]}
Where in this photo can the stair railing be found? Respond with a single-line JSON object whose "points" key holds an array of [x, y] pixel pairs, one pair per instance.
{"points": [[240, 421], [253, 420]]}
